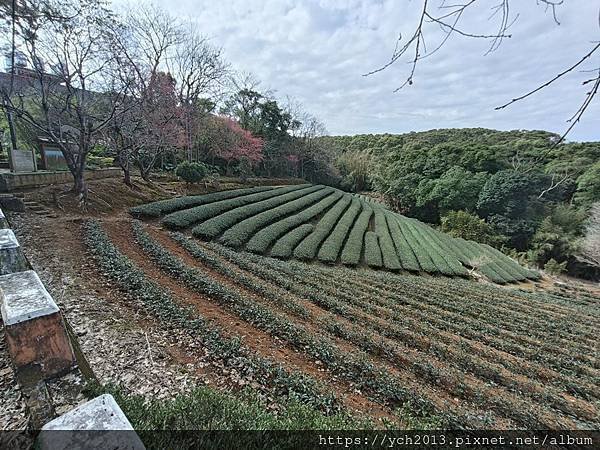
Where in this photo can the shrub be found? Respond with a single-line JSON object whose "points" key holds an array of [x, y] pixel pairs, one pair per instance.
{"points": [[372, 251], [219, 223], [307, 249], [191, 172], [470, 227], [353, 248], [239, 233], [331, 247], [188, 217], [261, 241], [555, 268], [284, 247]]}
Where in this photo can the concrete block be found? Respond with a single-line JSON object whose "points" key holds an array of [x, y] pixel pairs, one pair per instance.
{"points": [[8, 239], [97, 424], [34, 328], [11, 257]]}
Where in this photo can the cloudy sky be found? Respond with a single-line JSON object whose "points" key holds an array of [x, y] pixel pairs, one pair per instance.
{"points": [[317, 51]]}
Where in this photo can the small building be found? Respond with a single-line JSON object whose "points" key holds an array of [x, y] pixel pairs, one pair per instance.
{"points": [[51, 157]]}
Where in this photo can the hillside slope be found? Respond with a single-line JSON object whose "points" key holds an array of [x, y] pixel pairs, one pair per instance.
{"points": [[315, 222]]}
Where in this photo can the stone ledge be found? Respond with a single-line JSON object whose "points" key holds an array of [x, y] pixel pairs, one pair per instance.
{"points": [[97, 424], [35, 332], [24, 297], [7, 238]]}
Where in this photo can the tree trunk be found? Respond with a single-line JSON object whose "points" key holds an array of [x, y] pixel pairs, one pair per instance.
{"points": [[127, 176], [79, 184]]}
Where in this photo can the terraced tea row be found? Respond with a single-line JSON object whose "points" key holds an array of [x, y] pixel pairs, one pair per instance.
{"points": [[321, 223], [464, 353]]}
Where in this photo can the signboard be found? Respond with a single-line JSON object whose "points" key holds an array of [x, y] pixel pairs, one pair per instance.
{"points": [[22, 160]]}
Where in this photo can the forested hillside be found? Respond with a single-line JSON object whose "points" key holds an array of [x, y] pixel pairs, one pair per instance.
{"points": [[515, 189]]}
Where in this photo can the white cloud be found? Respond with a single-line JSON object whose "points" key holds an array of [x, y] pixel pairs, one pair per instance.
{"points": [[318, 50]]}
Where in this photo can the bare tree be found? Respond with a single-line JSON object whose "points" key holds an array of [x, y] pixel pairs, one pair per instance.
{"points": [[200, 72], [590, 246], [154, 48], [448, 16], [67, 103], [141, 51]]}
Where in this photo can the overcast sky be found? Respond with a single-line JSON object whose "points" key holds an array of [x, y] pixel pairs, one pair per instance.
{"points": [[317, 51]]}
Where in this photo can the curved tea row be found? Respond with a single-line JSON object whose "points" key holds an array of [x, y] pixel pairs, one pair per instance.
{"points": [[315, 222]]}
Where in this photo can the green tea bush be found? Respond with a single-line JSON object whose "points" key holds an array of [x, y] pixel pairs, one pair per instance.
{"points": [[285, 245], [372, 252], [352, 250], [307, 249], [239, 233], [405, 253], [415, 242], [162, 207], [261, 241], [330, 249], [214, 226], [388, 251], [161, 303], [188, 217]]}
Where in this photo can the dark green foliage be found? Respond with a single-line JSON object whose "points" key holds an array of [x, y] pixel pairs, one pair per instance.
{"points": [[414, 241], [352, 251], [388, 251], [191, 172], [213, 227], [331, 247], [284, 247], [162, 207], [261, 241], [588, 186], [372, 252], [507, 200], [188, 217], [470, 227], [239, 233], [307, 249], [403, 250], [555, 268], [503, 176], [557, 237], [456, 188]]}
